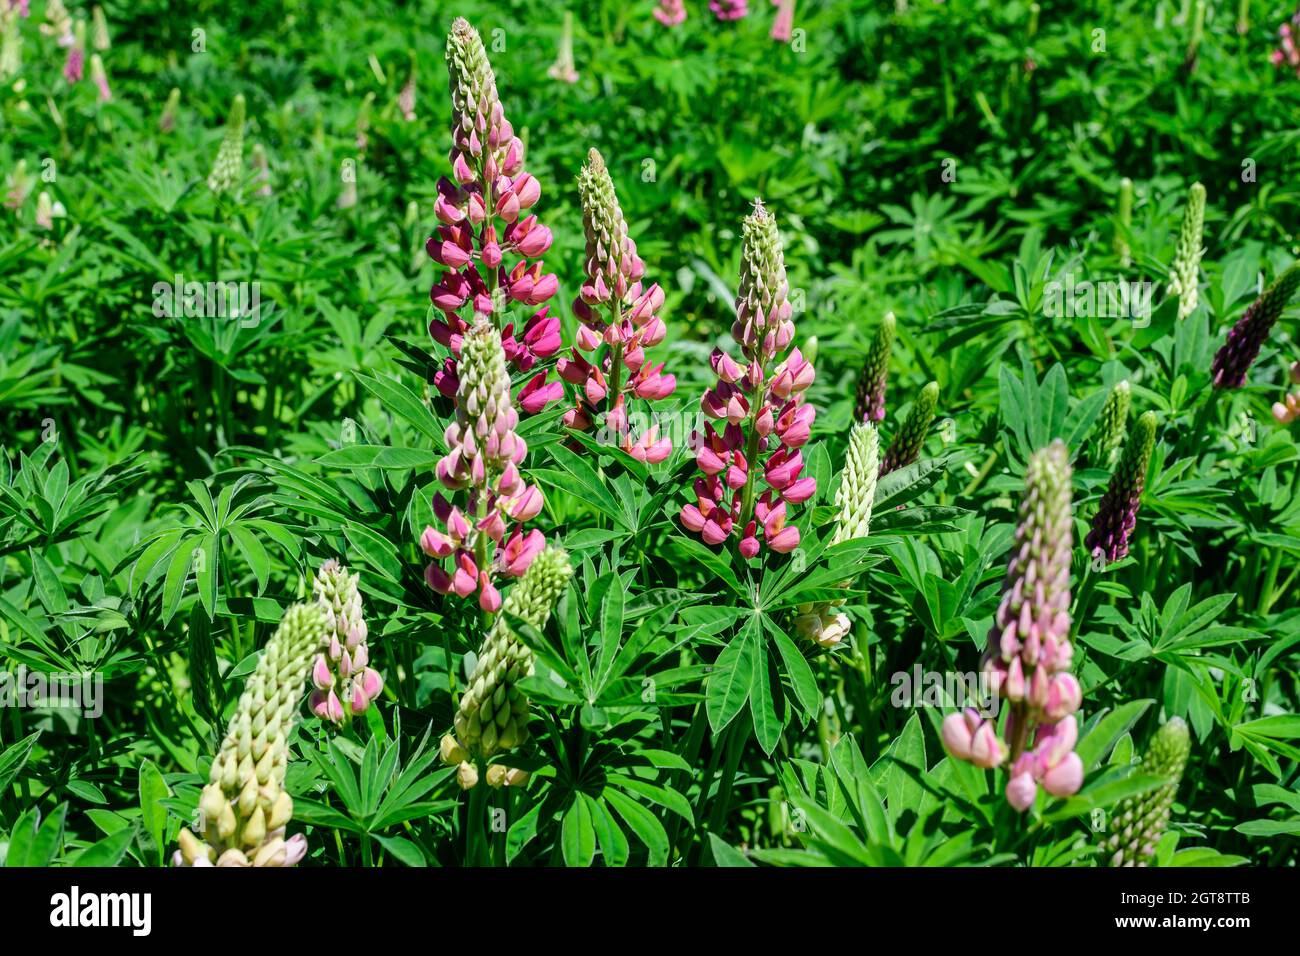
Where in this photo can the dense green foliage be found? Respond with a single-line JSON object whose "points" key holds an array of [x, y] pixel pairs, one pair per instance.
{"points": [[170, 484]]}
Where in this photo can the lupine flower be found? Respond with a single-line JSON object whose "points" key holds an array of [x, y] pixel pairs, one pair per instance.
{"points": [[869, 405], [1290, 411], [1125, 217], [406, 96], [344, 682], [1139, 821], [821, 622], [18, 185], [1029, 651], [563, 69], [21, 7], [100, 30], [484, 461], [1117, 515], [907, 444], [493, 712], [47, 211], [619, 321], [726, 10], [228, 169], [1286, 54], [485, 223], [1185, 272], [75, 64], [1234, 358], [167, 120], [261, 170], [58, 22], [11, 44], [1110, 426], [783, 25], [759, 407], [99, 76], [670, 12], [244, 808]]}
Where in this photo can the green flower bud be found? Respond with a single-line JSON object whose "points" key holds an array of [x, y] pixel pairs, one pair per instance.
{"points": [[869, 405], [1185, 272], [907, 444], [1109, 433], [493, 713], [228, 169], [1140, 821]]}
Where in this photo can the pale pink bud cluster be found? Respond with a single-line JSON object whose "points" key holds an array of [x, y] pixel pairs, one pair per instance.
{"points": [[726, 10], [670, 12], [343, 681], [487, 237], [783, 25], [1286, 54], [619, 320], [75, 64], [759, 409], [1029, 653], [486, 538]]}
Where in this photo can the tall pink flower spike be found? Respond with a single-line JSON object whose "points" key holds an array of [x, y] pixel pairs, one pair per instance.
{"points": [[758, 409], [487, 239], [1029, 651], [619, 321], [486, 539]]}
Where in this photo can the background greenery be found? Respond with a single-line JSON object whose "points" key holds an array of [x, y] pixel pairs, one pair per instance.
{"points": [[132, 440]]}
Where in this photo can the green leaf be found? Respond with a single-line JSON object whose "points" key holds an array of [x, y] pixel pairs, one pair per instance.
{"points": [[108, 851], [726, 855], [1097, 742], [577, 834], [762, 703], [153, 791], [14, 758], [732, 677], [402, 850]]}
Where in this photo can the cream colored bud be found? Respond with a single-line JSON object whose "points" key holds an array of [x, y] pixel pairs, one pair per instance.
{"points": [[451, 751], [466, 775]]}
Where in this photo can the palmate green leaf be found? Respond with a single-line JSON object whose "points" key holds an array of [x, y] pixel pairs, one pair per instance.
{"points": [[578, 832], [732, 678], [641, 822], [766, 702], [254, 552], [178, 570], [406, 405], [797, 669], [614, 846], [698, 553]]}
